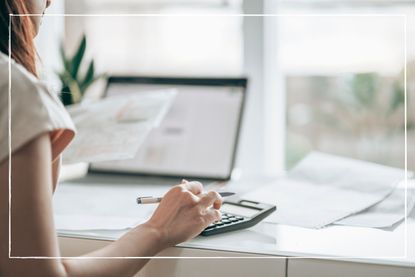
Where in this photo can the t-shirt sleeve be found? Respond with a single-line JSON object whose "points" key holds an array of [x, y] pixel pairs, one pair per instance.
{"points": [[32, 110]]}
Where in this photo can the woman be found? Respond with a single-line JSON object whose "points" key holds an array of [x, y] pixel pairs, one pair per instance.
{"points": [[41, 129]]}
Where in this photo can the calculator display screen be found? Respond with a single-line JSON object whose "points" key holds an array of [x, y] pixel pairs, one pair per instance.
{"points": [[238, 210]]}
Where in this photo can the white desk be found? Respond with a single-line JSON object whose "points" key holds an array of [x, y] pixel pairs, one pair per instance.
{"points": [[338, 250]]}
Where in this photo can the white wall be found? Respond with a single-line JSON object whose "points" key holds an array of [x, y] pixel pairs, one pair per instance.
{"points": [[48, 41]]}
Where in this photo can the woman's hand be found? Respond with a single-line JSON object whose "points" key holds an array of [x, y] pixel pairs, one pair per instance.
{"points": [[184, 212]]}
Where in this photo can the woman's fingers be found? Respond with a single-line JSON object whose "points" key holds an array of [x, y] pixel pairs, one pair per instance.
{"points": [[212, 215], [211, 198], [185, 211], [194, 187]]}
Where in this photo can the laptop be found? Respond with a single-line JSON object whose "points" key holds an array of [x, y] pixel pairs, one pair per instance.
{"points": [[198, 137]]}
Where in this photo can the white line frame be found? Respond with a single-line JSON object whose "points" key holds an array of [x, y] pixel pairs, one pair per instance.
{"points": [[350, 258]]}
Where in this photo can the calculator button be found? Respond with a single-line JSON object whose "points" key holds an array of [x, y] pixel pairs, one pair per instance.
{"points": [[239, 217], [225, 221], [220, 223]]}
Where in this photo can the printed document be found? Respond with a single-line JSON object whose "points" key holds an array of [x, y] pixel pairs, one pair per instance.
{"points": [[323, 189], [384, 214], [115, 127]]}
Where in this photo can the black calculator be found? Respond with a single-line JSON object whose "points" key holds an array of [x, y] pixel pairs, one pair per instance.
{"points": [[239, 214]]}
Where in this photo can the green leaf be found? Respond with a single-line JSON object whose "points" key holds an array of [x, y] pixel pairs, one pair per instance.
{"points": [[62, 78], [75, 91], [89, 77], [77, 58], [65, 60], [65, 78]]}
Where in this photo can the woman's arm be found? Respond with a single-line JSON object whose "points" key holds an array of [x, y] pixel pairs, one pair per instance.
{"points": [[182, 214], [143, 241], [32, 230]]}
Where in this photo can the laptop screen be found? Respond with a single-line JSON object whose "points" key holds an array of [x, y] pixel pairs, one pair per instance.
{"points": [[198, 136]]}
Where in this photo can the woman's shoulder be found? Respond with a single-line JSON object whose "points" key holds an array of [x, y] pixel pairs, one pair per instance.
{"points": [[32, 108], [25, 88], [20, 79]]}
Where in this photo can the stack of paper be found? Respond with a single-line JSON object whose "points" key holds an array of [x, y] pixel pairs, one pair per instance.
{"points": [[323, 189], [115, 127], [384, 214]]}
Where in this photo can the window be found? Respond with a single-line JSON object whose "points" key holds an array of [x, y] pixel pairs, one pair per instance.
{"points": [[344, 80], [342, 75], [161, 45]]}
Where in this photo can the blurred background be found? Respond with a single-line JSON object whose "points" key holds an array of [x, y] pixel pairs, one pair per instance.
{"points": [[321, 75]]}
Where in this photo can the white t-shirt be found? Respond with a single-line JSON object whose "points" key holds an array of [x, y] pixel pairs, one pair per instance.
{"points": [[34, 110]]}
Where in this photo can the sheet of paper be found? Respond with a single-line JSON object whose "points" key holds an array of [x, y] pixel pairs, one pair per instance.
{"points": [[115, 127], [102, 206], [323, 189], [384, 214]]}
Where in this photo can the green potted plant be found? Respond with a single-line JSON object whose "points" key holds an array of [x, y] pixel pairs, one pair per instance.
{"points": [[76, 82]]}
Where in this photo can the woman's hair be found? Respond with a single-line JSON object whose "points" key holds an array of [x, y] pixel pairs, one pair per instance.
{"points": [[22, 33]]}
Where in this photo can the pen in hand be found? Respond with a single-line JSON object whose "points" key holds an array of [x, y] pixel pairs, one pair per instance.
{"points": [[153, 200]]}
